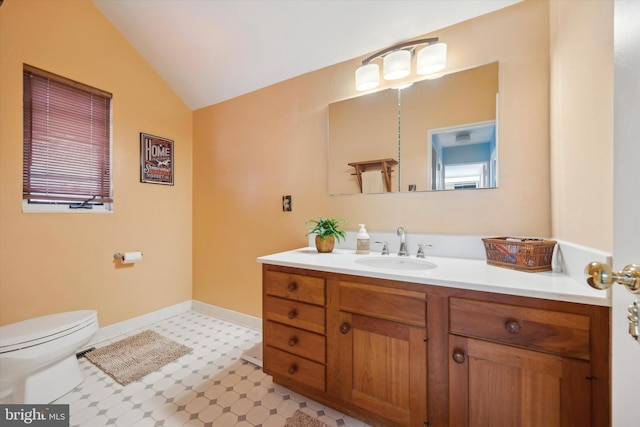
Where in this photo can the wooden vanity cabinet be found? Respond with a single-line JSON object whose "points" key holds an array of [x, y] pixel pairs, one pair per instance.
{"points": [[402, 354], [382, 340], [525, 365], [294, 342], [359, 346]]}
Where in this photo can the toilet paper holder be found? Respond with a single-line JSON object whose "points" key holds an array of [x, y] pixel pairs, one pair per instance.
{"points": [[120, 256]]}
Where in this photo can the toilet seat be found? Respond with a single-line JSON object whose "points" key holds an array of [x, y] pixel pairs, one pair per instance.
{"points": [[39, 330]]}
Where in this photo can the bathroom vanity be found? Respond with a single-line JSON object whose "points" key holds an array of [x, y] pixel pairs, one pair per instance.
{"points": [[458, 344]]}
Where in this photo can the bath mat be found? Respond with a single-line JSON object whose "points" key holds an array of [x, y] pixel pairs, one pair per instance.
{"points": [[134, 357], [300, 419]]}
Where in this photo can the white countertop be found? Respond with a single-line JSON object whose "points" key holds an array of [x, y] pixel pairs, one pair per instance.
{"points": [[459, 273]]}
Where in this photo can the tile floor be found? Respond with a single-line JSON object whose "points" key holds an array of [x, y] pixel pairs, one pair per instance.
{"points": [[211, 386]]}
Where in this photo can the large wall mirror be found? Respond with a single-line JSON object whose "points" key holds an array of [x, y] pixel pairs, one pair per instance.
{"points": [[438, 134]]}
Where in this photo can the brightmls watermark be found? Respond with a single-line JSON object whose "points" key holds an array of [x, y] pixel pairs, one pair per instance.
{"points": [[34, 415]]}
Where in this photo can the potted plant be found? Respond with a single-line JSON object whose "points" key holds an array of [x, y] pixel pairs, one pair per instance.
{"points": [[327, 231]]}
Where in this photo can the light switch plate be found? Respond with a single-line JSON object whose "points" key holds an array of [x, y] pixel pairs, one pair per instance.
{"points": [[286, 203]]}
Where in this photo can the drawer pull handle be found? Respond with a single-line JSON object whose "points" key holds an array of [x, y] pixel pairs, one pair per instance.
{"points": [[292, 369], [512, 326], [292, 314], [293, 341], [292, 286], [458, 355], [345, 328]]}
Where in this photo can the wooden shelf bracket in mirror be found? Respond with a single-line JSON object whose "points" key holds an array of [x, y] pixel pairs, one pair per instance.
{"points": [[384, 164]]}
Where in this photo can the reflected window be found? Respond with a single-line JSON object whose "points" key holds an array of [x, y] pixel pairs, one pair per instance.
{"points": [[464, 156], [465, 176]]}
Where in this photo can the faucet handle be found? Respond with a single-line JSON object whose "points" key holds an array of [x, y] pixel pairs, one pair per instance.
{"points": [[421, 247], [385, 248]]}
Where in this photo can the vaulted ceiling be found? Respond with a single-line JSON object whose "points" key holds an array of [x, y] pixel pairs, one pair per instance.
{"points": [[209, 51]]}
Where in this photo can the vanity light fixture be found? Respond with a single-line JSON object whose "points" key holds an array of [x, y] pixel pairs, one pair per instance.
{"points": [[396, 62]]}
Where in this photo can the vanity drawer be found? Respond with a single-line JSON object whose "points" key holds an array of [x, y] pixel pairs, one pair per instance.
{"points": [[547, 330], [384, 303], [296, 368], [295, 313], [295, 286], [298, 341]]}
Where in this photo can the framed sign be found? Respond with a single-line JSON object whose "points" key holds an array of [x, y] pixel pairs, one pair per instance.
{"points": [[156, 159]]}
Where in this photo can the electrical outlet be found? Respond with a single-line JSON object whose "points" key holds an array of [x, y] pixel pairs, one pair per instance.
{"points": [[286, 203]]}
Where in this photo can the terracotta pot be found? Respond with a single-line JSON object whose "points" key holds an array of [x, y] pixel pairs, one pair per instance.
{"points": [[325, 245]]}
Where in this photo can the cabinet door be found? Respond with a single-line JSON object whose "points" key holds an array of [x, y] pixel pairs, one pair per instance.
{"points": [[382, 368], [497, 385]]}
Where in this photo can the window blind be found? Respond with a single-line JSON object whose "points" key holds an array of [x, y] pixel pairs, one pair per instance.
{"points": [[67, 139]]}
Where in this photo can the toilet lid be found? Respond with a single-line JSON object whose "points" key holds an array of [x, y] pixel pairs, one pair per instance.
{"points": [[45, 328]]}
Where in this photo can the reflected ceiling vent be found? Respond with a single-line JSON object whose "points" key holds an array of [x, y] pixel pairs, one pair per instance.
{"points": [[463, 138]]}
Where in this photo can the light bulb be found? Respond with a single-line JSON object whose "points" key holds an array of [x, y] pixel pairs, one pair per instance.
{"points": [[367, 77], [432, 58], [397, 65]]}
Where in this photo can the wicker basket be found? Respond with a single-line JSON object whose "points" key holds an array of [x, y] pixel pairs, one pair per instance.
{"points": [[519, 253]]}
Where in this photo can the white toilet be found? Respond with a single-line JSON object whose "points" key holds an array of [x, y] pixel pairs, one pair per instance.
{"points": [[38, 356]]}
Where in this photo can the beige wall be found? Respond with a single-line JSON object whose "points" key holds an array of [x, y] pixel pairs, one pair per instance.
{"points": [[56, 262], [251, 150], [582, 122]]}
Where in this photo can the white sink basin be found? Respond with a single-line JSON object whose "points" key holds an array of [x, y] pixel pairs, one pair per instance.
{"points": [[392, 262]]}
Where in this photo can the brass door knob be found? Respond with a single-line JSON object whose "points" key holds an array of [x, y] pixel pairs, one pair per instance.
{"points": [[600, 276]]}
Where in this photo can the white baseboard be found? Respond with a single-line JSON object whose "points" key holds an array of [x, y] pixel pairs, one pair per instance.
{"points": [[126, 326], [241, 319]]}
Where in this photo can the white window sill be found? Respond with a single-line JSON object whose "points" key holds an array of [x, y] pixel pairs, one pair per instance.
{"points": [[44, 208]]}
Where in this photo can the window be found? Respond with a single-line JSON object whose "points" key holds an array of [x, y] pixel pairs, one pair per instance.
{"points": [[67, 143]]}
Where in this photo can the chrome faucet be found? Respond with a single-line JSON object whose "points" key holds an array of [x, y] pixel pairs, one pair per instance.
{"points": [[421, 247], [403, 245], [385, 248]]}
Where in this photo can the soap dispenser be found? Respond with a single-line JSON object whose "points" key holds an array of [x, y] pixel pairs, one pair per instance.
{"points": [[362, 241]]}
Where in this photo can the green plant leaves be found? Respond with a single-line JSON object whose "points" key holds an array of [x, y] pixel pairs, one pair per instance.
{"points": [[325, 227]]}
